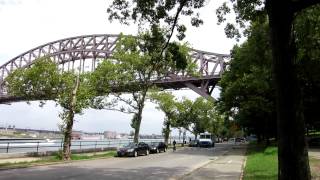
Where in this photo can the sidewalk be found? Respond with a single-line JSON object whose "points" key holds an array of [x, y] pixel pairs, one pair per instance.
{"points": [[315, 153], [12, 159], [226, 167], [17, 160]]}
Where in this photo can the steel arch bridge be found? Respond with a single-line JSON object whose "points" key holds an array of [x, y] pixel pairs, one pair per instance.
{"points": [[85, 52]]}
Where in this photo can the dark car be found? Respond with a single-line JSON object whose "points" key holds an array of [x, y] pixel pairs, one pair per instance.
{"points": [[157, 147], [134, 150], [194, 143], [314, 142]]}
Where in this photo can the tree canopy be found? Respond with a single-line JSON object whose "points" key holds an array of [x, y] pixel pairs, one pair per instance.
{"points": [[167, 103], [44, 81], [247, 91], [136, 63]]}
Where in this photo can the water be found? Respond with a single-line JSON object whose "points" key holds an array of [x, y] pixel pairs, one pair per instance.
{"points": [[31, 146]]}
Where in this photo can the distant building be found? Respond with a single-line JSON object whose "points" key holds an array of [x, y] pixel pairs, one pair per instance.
{"points": [[123, 136], [92, 136], [110, 135], [76, 135], [33, 134], [152, 136]]}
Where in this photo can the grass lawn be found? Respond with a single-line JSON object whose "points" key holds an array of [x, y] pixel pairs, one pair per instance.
{"points": [[57, 159], [262, 163]]}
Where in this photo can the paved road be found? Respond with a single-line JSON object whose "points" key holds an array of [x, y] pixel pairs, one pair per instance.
{"points": [[170, 165]]}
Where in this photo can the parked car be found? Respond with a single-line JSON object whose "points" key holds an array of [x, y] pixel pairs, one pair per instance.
{"points": [[157, 147], [314, 142], [218, 140], [240, 139], [194, 143], [134, 150], [232, 140]]}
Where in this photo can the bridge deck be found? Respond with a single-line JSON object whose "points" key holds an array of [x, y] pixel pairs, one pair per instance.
{"points": [[177, 83]]}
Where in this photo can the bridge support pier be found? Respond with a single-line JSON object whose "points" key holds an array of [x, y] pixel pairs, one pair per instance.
{"points": [[202, 91]]}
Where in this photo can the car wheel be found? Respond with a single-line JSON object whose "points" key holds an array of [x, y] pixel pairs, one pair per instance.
{"points": [[147, 152], [135, 154]]}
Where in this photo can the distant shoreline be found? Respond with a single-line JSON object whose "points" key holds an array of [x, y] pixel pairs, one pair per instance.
{"points": [[10, 139]]}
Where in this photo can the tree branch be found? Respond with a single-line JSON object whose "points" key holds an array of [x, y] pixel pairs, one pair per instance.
{"points": [[115, 109], [174, 25], [126, 101], [303, 4]]}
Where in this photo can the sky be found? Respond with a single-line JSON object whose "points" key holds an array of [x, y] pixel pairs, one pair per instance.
{"points": [[26, 24]]}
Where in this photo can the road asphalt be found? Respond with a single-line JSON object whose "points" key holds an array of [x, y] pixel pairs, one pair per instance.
{"points": [[224, 161]]}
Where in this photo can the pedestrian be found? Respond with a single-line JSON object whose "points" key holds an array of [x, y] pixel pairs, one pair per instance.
{"points": [[174, 145]]}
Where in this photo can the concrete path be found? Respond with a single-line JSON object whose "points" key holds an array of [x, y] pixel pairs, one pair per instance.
{"points": [[170, 165], [315, 153], [226, 167]]}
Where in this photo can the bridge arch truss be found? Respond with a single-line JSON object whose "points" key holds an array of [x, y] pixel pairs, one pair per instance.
{"points": [[86, 52]]}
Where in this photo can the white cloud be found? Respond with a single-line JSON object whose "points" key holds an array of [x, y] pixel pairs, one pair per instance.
{"points": [[26, 24]]}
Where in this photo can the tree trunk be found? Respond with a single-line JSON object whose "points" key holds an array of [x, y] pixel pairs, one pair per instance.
{"points": [[167, 132], [292, 149], [137, 126], [183, 137], [139, 117], [67, 137], [69, 125]]}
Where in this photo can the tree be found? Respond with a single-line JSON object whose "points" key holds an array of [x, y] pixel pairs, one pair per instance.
{"points": [[214, 122], [155, 12], [166, 103], [44, 81], [306, 35], [249, 80], [293, 162], [185, 115], [138, 62], [247, 91], [197, 116]]}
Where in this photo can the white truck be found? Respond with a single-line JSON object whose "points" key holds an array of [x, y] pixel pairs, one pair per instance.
{"points": [[206, 140]]}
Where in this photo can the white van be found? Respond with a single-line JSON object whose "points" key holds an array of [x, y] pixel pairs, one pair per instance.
{"points": [[205, 140]]}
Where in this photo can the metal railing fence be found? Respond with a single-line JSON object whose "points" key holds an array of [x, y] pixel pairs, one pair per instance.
{"points": [[38, 146]]}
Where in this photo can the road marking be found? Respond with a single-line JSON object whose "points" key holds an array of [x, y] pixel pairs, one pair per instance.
{"points": [[224, 153], [215, 158], [223, 175], [230, 161]]}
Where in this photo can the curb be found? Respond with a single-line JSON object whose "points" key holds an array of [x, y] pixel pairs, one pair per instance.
{"points": [[242, 168], [243, 164]]}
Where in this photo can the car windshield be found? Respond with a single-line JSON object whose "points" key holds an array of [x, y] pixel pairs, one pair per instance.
{"points": [[130, 145], [153, 143], [205, 136]]}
